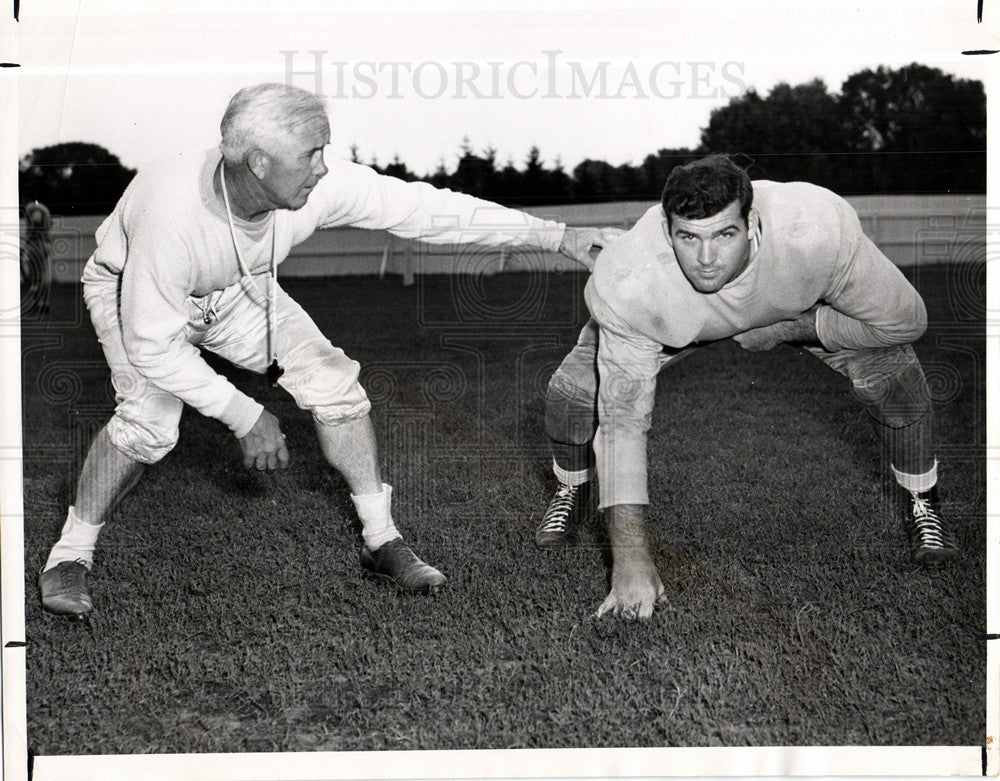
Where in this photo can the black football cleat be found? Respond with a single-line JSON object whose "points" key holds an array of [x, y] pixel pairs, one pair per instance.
{"points": [[933, 542], [396, 562], [64, 589], [569, 507]]}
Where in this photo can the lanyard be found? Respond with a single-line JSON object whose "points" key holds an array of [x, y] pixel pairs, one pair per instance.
{"points": [[274, 371]]}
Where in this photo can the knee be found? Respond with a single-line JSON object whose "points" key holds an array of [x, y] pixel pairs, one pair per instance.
{"points": [[144, 440], [324, 381], [892, 386], [342, 410], [570, 411]]}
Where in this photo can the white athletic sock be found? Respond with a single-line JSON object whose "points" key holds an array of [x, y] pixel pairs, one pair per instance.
{"points": [[917, 484], [375, 513], [76, 543], [574, 478]]}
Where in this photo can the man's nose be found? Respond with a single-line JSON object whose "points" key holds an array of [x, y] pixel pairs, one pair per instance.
{"points": [[706, 255]]}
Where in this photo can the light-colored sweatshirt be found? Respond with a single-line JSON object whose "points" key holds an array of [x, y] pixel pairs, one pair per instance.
{"points": [[811, 251], [168, 244]]}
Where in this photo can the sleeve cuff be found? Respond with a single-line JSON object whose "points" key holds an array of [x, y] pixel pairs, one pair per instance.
{"points": [[823, 330], [621, 470], [240, 414], [560, 233]]}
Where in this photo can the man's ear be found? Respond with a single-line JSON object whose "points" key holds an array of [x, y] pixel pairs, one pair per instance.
{"points": [[258, 162], [666, 231], [753, 224]]}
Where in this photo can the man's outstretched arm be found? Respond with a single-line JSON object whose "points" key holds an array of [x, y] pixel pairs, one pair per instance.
{"points": [[354, 194]]}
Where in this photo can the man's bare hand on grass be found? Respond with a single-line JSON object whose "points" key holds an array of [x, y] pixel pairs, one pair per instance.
{"points": [[264, 446], [635, 584]]}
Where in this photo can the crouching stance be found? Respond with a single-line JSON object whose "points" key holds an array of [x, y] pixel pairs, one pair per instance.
{"points": [[188, 260], [762, 263]]}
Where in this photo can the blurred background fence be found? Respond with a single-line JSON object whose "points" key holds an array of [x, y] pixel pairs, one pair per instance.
{"points": [[910, 229]]}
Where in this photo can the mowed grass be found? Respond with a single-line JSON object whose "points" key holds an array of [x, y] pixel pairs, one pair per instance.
{"points": [[231, 613]]}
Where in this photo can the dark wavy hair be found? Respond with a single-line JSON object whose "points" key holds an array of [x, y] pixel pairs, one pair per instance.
{"points": [[705, 187]]}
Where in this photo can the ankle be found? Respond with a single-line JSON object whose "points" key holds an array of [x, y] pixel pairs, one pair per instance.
{"points": [[571, 477], [77, 542]]}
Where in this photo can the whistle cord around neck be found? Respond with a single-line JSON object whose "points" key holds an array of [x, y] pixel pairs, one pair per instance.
{"points": [[274, 371]]}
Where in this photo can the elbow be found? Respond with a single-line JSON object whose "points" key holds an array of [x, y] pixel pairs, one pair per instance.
{"points": [[914, 334], [920, 323], [915, 325], [908, 329]]}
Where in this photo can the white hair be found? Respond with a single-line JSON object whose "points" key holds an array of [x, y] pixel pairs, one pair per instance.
{"points": [[264, 116]]}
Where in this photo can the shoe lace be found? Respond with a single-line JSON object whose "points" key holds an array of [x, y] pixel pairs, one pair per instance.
{"points": [[72, 576], [930, 528], [556, 518]]}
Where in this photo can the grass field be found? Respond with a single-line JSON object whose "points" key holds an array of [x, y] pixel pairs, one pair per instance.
{"points": [[231, 614]]}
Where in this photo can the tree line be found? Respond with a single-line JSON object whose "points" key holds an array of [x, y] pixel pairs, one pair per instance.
{"points": [[914, 129]]}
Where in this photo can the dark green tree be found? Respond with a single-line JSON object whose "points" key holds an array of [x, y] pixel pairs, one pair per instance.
{"points": [[656, 168], [794, 133], [510, 185], [913, 109], [560, 185], [398, 169], [912, 129], [544, 185], [918, 128], [594, 180], [73, 178], [475, 174], [440, 177]]}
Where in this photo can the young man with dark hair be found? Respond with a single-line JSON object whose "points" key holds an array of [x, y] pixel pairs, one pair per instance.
{"points": [[762, 263]]}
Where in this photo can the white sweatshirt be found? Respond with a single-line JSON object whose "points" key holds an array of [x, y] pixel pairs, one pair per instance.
{"points": [[167, 242], [812, 251]]}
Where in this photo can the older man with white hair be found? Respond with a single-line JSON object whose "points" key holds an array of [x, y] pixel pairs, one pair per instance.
{"points": [[188, 259]]}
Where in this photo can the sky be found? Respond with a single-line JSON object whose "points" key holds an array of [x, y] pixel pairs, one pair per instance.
{"points": [[145, 79]]}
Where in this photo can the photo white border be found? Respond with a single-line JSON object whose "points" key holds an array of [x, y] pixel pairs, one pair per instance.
{"points": [[553, 763]]}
